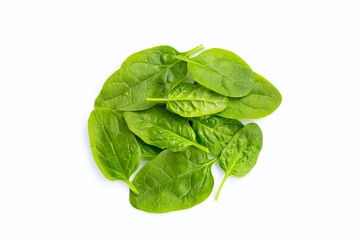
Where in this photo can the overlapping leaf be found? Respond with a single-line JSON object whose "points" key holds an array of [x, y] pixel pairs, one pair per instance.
{"points": [[149, 73], [215, 132], [159, 127], [263, 100], [189, 100], [173, 181], [241, 153], [221, 71], [148, 150], [113, 146]]}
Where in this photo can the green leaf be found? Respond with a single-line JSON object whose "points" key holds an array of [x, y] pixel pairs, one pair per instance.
{"points": [[113, 146], [173, 181], [241, 153], [189, 100], [149, 73], [161, 128], [263, 100], [221, 71], [215, 132], [147, 150]]}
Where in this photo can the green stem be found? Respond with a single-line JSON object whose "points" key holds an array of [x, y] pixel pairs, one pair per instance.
{"points": [[215, 159], [222, 183], [205, 149], [132, 187], [182, 58], [195, 50], [158, 99]]}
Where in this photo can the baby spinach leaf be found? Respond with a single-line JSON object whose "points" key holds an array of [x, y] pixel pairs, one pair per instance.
{"points": [[147, 150], [173, 181], [161, 128], [221, 71], [189, 100], [241, 153], [263, 100], [113, 146], [149, 73], [215, 132]]}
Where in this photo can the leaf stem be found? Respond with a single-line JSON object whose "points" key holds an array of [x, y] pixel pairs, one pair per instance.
{"points": [[192, 51], [182, 58], [158, 99], [222, 183], [132, 187], [215, 159], [205, 149]]}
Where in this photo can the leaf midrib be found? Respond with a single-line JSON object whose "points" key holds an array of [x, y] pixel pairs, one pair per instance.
{"points": [[191, 99]]}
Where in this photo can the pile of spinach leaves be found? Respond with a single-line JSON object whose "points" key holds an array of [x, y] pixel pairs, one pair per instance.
{"points": [[174, 109]]}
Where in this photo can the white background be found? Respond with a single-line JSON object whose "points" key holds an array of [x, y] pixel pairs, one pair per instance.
{"points": [[55, 56]]}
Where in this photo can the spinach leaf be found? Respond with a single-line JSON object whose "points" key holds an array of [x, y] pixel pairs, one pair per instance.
{"points": [[189, 100], [241, 153], [147, 150], [149, 73], [215, 132], [221, 71], [263, 100], [161, 128], [113, 146], [173, 181]]}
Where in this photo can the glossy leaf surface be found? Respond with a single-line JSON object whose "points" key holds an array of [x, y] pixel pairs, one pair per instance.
{"points": [[149, 73], [173, 181], [215, 132], [263, 100], [159, 127], [113, 145], [189, 100], [221, 71], [148, 150], [241, 153]]}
